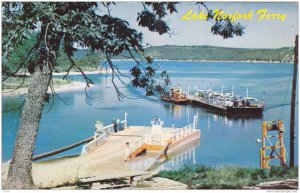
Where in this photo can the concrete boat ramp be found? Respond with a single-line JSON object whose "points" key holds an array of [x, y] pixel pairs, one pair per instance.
{"points": [[108, 155]]}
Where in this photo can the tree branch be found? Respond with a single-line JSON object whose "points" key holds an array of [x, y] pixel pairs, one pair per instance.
{"points": [[87, 80]]}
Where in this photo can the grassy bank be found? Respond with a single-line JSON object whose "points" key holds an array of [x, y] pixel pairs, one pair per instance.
{"points": [[13, 83], [202, 177]]}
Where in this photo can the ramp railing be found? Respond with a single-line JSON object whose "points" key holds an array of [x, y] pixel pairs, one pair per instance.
{"points": [[101, 133]]}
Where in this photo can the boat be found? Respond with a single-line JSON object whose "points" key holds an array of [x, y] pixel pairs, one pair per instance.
{"points": [[227, 102], [176, 96]]}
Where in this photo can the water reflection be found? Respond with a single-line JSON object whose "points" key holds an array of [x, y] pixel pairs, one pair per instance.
{"points": [[225, 140], [183, 155], [226, 121]]}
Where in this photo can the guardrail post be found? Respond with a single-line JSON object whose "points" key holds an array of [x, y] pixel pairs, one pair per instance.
{"points": [[181, 133], [147, 139], [195, 122], [83, 151], [125, 124], [126, 151], [194, 156]]}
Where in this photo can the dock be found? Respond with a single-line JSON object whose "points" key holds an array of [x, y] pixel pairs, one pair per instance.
{"points": [[130, 141], [108, 155]]}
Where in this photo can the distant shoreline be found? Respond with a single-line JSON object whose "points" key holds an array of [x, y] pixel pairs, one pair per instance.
{"points": [[96, 71], [209, 61], [75, 85]]}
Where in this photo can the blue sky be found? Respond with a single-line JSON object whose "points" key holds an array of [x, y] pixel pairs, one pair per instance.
{"points": [[262, 34]]}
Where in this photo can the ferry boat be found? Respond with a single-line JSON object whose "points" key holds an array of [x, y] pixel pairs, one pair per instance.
{"points": [[176, 96], [227, 102]]}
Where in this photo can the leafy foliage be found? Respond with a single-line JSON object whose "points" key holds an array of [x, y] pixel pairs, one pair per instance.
{"points": [[19, 54], [153, 14], [59, 26], [88, 61], [227, 29], [223, 27]]}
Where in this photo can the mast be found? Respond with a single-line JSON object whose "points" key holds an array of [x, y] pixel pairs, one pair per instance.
{"points": [[292, 122], [222, 88]]}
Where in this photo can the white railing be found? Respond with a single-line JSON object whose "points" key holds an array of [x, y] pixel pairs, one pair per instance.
{"points": [[158, 139], [102, 133], [180, 133], [92, 144], [110, 128], [211, 101], [134, 146]]}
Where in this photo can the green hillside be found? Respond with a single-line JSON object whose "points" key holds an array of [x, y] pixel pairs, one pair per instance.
{"points": [[212, 53], [88, 60]]}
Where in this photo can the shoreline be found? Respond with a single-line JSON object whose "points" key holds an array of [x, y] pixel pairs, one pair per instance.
{"points": [[96, 71], [74, 85], [66, 179], [209, 61]]}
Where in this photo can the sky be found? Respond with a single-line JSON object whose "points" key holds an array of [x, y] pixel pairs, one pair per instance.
{"points": [[258, 34]]}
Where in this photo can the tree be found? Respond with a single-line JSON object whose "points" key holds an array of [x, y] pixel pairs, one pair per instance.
{"points": [[58, 25]]}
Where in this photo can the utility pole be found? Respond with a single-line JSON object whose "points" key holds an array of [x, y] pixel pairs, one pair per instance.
{"points": [[292, 122]]}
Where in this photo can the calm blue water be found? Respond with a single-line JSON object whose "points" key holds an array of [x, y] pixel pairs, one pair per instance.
{"points": [[224, 141]]}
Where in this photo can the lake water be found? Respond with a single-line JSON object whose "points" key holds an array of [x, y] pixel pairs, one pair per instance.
{"points": [[224, 141]]}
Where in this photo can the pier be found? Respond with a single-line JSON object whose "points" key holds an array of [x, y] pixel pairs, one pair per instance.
{"points": [[137, 139], [107, 156], [130, 141]]}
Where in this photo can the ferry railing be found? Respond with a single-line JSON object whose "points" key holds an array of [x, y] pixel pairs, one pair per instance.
{"points": [[211, 101], [177, 135], [135, 146], [100, 134], [110, 128], [92, 144], [180, 133], [217, 103]]}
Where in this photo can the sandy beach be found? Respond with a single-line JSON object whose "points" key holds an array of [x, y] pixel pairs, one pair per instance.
{"points": [[75, 85], [79, 73]]}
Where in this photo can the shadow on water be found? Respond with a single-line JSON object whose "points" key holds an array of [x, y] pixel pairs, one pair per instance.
{"points": [[176, 111], [176, 158]]}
